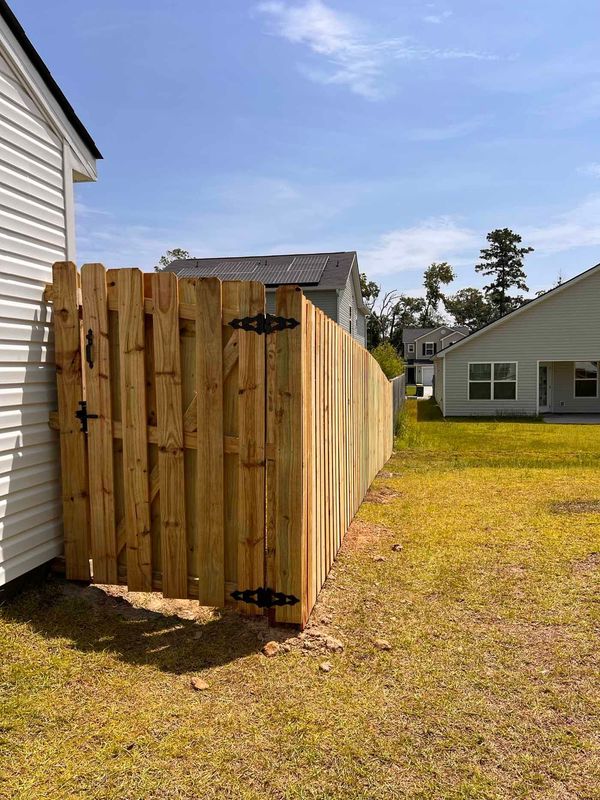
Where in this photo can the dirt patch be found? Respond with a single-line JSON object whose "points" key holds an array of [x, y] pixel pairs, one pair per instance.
{"points": [[381, 495], [590, 563], [363, 534], [576, 507]]}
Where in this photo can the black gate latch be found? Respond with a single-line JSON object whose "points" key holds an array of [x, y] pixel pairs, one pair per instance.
{"points": [[264, 597], [264, 323], [83, 416]]}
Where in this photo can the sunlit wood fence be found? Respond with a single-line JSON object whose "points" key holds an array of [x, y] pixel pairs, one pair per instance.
{"points": [[208, 449]]}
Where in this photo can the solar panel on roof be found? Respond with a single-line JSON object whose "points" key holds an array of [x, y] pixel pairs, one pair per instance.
{"points": [[303, 269]]}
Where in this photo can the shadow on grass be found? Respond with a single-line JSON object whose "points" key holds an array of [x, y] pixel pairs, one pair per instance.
{"points": [[96, 622]]}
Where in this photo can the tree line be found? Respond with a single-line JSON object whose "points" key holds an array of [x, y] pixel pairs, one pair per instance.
{"points": [[502, 261]]}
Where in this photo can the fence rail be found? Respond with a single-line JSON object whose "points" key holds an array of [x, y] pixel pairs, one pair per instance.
{"points": [[216, 459]]}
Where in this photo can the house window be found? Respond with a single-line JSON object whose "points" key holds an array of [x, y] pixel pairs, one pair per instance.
{"points": [[586, 379], [410, 348], [493, 380], [429, 349]]}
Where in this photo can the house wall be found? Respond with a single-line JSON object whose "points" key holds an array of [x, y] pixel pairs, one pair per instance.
{"points": [[560, 328], [33, 234], [438, 383], [325, 299], [435, 336], [348, 310], [563, 391]]}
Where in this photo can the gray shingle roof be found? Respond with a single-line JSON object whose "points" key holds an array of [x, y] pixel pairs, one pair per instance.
{"points": [[325, 270]]}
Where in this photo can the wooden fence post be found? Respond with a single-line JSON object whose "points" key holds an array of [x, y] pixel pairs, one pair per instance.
{"points": [[288, 539], [73, 457]]}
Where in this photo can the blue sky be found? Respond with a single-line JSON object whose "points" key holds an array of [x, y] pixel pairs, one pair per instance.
{"points": [[404, 130]]}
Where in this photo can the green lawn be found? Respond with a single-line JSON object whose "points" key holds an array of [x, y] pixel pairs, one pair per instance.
{"points": [[411, 390], [490, 689]]}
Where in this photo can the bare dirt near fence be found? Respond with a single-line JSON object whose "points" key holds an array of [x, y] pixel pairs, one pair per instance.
{"points": [[453, 653]]}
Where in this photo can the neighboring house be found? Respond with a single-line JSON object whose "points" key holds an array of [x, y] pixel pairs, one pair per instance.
{"points": [[542, 357], [330, 280], [419, 346], [43, 149]]}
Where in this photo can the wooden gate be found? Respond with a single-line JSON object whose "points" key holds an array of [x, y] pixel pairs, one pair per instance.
{"points": [[171, 436], [208, 449]]}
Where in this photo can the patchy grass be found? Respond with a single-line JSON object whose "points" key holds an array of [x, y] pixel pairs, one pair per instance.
{"points": [[490, 689], [411, 390]]}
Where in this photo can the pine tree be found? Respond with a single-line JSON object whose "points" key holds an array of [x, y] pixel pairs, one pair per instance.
{"points": [[503, 261]]}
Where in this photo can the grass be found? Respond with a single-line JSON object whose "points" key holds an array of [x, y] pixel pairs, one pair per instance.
{"points": [[490, 690], [411, 390]]}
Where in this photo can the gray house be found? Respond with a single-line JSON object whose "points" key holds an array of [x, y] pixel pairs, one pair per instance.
{"points": [[419, 346], [542, 357], [330, 280]]}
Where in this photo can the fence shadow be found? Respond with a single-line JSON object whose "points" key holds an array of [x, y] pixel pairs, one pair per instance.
{"points": [[92, 621]]}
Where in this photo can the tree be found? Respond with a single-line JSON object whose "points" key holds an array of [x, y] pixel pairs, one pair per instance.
{"points": [[503, 262], [469, 307], [436, 275], [171, 255], [388, 359]]}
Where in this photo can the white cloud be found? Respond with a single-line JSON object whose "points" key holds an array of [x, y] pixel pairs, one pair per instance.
{"points": [[444, 132], [436, 239], [437, 18], [592, 169], [353, 59], [577, 227]]}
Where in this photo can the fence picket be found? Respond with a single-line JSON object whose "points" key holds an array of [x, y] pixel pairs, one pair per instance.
{"points": [[100, 455], [209, 453], [130, 291], [169, 406], [251, 409], [73, 456]]}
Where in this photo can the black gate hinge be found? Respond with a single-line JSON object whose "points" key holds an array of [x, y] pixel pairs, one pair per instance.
{"points": [[264, 597], [83, 416], [264, 323]]}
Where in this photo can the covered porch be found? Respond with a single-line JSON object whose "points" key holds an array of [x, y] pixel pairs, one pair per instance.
{"points": [[568, 391]]}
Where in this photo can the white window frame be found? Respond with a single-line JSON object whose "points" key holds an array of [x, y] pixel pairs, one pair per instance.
{"points": [[425, 346], [492, 382], [410, 348], [575, 379]]}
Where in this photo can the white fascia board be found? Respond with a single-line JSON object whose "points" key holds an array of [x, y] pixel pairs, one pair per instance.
{"points": [[52, 112]]}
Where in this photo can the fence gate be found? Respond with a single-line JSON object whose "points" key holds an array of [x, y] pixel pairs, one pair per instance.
{"points": [[162, 416]]}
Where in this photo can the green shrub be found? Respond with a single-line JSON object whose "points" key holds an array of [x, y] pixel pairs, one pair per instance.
{"points": [[388, 359]]}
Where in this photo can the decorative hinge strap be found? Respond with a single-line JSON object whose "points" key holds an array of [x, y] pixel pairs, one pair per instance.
{"points": [[264, 597], [264, 323]]}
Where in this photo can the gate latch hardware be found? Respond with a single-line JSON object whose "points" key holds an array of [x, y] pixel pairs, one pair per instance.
{"points": [[89, 343], [83, 416], [264, 597], [264, 323]]}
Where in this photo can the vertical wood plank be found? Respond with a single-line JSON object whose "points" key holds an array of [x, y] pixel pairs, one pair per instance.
{"points": [[130, 291], [100, 444], [209, 453], [169, 407], [73, 456], [251, 410], [290, 544]]}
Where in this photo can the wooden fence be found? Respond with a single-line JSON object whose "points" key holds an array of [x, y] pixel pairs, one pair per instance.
{"points": [[208, 459]]}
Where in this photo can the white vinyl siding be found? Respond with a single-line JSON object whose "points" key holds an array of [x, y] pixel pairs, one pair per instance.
{"points": [[561, 328], [32, 237]]}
